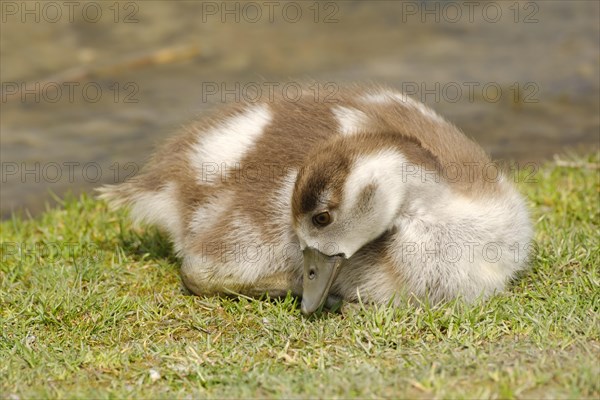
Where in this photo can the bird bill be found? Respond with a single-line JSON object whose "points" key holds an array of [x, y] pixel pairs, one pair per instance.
{"points": [[320, 271]]}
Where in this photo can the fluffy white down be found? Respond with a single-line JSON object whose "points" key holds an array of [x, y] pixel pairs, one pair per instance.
{"points": [[160, 208], [448, 245], [382, 170]]}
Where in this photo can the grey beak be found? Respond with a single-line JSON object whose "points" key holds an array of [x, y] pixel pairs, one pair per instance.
{"points": [[320, 271]]}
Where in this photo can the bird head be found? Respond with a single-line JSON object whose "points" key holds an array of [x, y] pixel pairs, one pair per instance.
{"points": [[346, 195]]}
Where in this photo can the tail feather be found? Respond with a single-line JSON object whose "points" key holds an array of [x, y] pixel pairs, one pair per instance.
{"points": [[117, 196], [157, 207]]}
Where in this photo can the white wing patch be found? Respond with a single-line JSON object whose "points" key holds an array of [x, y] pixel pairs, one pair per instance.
{"points": [[224, 146], [350, 120]]}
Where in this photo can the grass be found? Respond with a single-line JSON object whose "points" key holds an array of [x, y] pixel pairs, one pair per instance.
{"points": [[91, 308]]}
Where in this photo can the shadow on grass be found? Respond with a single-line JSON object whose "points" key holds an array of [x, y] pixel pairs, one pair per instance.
{"points": [[148, 243]]}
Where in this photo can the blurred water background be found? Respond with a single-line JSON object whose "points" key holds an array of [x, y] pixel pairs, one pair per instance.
{"points": [[89, 88]]}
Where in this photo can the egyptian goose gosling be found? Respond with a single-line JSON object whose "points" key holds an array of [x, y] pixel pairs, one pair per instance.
{"points": [[371, 196]]}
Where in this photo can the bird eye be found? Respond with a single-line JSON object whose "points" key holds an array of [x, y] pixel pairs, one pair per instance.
{"points": [[322, 219]]}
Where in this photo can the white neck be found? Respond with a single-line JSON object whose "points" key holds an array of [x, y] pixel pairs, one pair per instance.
{"points": [[393, 179]]}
